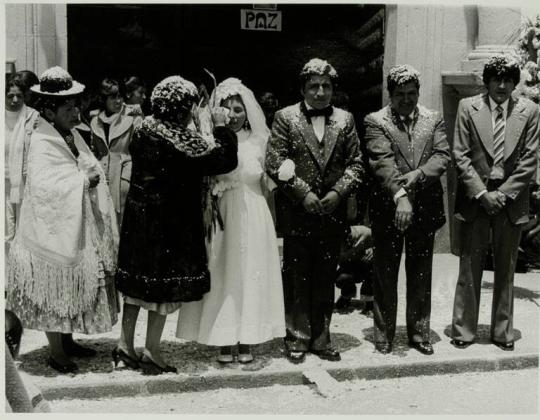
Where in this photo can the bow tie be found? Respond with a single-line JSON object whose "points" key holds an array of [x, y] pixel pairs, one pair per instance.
{"points": [[310, 113], [325, 112]]}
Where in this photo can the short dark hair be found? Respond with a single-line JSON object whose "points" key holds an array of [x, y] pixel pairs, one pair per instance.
{"points": [[108, 87], [401, 75], [317, 67], [12, 81], [500, 67], [51, 102], [133, 83], [13, 332], [27, 79]]}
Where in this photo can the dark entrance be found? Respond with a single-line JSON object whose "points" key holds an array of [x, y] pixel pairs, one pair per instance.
{"points": [[155, 41]]}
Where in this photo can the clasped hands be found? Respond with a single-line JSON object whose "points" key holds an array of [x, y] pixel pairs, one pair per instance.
{"points": [[493, 202], [326, 205], [404, 210]]}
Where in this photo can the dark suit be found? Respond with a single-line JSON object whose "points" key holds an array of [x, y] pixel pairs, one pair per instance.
{"points": [[311, 242], [473, 153], [392, 153]]}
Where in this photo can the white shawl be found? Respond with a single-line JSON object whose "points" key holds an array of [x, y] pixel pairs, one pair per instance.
{"points": [[67, 234]]}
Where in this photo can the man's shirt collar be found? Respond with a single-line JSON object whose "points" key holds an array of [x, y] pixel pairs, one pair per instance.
{"points": [[493, 105]]}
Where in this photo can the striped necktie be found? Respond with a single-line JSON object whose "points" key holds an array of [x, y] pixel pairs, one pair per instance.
{"points": [[498, 137]]}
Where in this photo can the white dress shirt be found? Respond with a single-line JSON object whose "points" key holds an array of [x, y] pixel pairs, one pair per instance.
{"points": [[402, 191], [492, 106], [317, 124]]}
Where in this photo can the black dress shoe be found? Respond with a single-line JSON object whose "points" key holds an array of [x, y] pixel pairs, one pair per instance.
{"points": [[296, 356], [423, 347], [69, 367], [383, 348], [460, 344], [120, 355], [328, 354], [149, 367], [504, 346], [74, 349]]}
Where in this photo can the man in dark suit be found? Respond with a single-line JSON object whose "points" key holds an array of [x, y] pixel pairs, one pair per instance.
{"points": [[314, 157], [407, 152], [495, 142]]}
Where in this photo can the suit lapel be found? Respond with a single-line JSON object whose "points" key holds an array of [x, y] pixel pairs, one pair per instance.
{"points": [[514, 126], [330, 137], [119, 127], [400, 137], [419, 137], [98, 131], [311, 140], [483, 123]]}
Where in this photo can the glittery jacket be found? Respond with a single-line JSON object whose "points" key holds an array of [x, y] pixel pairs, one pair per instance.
{"points": [[391, 154], [473, 153], [333, 164], [162, 255]]}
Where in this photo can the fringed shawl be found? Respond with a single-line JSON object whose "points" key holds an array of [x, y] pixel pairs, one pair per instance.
{"points": [[67, 235]]}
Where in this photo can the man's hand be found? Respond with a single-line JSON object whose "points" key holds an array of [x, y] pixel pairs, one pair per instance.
{"points": [[410, 179], [404, 213], [491, 202], [330, 201], [312, 204], [360, 234]]}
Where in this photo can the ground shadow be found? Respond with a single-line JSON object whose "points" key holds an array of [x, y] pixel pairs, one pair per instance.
{"points": [[355, 305], [519, 292], [187, 357], [483, 334], [400, 346]]}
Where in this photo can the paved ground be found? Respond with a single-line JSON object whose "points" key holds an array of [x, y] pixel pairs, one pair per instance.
{"points": [[352, 333], [510, 393]]}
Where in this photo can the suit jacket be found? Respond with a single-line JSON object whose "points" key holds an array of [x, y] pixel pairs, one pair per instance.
{"points": [[334, 164], [391, 154], [473, 154]]}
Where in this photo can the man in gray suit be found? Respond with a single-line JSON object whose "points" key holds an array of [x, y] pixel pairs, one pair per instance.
{"points": [[408, 153], [495, 143]]}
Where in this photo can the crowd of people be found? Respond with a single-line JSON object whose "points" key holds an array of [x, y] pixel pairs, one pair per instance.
{"points": [[176, 212]]}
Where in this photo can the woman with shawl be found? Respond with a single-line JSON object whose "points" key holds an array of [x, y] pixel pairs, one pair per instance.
{"points": [[64, 250], [245, 303]]}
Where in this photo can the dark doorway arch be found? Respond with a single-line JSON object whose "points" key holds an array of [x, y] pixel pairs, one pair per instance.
{"points": [[155, 41]]}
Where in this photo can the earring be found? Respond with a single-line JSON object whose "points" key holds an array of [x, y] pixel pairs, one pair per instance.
{"points": [[246, 125]]}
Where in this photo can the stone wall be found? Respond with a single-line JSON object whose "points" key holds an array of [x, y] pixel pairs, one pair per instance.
{"points": [[36, 36]]}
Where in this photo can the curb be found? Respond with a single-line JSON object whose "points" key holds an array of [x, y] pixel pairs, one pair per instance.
{"points": [[164, 385]]}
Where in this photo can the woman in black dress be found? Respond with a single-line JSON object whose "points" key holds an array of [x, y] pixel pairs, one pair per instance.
{"points": [[162, 256]]}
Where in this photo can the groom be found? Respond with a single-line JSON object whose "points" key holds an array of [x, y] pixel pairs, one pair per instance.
{"points": [[320, 143]]}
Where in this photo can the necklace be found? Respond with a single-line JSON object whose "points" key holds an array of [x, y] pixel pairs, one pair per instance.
{"points": [[70, 141]]}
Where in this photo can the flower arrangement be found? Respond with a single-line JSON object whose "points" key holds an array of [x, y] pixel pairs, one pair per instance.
{"points": [[528, 46]]}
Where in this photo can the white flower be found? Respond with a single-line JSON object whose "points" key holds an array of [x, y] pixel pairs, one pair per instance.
{"points": [[286, 170]]}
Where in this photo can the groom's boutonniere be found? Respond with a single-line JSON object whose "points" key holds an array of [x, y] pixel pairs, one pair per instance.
{"points": [[286, 171]]}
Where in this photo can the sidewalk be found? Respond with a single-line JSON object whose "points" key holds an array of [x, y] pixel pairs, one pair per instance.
{"points": [[352, 333]]}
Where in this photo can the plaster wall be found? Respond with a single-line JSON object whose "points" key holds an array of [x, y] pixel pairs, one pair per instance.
{"points": [[36, 36]]}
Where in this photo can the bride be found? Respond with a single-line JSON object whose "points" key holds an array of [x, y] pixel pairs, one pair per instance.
{"points": [[245, 302]]}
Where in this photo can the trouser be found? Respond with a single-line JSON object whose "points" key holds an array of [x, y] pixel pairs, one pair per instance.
{"points": [[474, 242], [388, 244], [309, 269]]}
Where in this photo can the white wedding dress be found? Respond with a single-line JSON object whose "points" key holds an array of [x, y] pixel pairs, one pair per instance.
{"points": [[245, 302]]}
